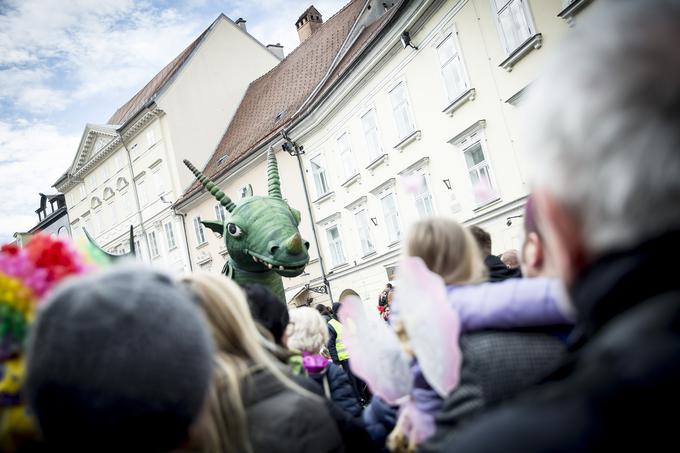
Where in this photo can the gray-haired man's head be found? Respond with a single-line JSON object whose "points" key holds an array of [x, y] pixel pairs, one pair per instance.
{"points": [[602, 131]]}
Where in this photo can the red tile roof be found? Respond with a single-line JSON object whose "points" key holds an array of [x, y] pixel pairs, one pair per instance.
{"points": [[270, 101], [155, 85]]}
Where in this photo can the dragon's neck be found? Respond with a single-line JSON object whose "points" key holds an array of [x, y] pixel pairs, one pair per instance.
{"points": [[269, 279]]}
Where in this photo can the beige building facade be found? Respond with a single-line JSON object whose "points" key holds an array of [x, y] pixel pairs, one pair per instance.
{"points": [[421, 121], [129, 172]]}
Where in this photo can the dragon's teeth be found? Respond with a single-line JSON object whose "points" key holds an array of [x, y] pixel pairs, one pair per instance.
{"points": [[280, 268], [255, 259]]}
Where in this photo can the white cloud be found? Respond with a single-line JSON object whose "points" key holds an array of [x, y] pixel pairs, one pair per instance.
{"points": [[84, 48], [32, 157]]}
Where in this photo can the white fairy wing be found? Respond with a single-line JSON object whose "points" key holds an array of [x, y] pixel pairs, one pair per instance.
{"points": [[375, 352], [431, 325]]}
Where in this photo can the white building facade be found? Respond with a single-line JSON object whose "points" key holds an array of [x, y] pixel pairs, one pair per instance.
{"points": [[427, 129], [130, 171], [421, 120]]}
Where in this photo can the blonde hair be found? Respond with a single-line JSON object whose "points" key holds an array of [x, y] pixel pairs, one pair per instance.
{"points": [[307, 331], [448, 249], [240, 349]]}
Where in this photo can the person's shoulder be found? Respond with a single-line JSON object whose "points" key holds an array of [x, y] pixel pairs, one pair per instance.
{"points": [[487, 345]]}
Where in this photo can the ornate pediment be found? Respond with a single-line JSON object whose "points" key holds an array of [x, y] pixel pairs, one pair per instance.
{"points": [[95, 139]]}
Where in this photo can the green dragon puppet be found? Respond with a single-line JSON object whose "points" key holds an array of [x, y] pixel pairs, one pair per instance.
{"points": [[261, 233]]}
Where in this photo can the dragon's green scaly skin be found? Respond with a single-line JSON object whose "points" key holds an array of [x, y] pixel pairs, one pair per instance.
{"points": [[261, 233]]}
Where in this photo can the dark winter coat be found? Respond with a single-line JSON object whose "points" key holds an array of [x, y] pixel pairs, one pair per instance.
{"points": [[282, 420], [496, 366], [341, 391], [619, 388], [354, 434], [498, 271]]}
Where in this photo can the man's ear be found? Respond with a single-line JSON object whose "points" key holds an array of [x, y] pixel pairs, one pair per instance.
{"points": [[214, 225], [562, 236]]}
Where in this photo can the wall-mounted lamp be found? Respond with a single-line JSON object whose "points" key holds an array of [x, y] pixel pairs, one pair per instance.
{"points": [[447, 183], [374, 220], [406, 40], [508, 221]]}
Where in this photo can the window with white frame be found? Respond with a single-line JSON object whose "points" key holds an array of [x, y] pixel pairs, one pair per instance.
{"points": [[98, 222], [150, 138], [198, 229], [141, 192], [170, 235], [319, 174], [483, 187], [388, 202], [371, 134], [105, 171], [114, 212], [153, 244], [158, 181], [220, 213], [364, 231], [514, 22], [423, 198], [451, 66], [87, 224], [346, 158], [91, 181], [335, 246], [82, 191], [401, 110], [138, 249], [118, 160]]}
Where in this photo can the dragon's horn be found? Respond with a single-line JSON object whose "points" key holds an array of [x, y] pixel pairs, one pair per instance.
{"points": [[211, 187], [274, 182], [113, 256]]}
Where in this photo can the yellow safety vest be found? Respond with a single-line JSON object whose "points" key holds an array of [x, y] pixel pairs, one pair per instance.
{"points": [[339, 345]]}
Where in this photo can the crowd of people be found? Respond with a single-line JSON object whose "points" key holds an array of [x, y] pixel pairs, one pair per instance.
{"points": [[571, 343]]}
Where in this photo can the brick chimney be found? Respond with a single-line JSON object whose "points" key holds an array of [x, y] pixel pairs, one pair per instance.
{"points": [[308, 23]]}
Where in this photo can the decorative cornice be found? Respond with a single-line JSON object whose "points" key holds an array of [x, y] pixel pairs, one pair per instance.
{"points": [[415, 166], [477, 125], [572, 9], [378, 161], [357, 203], [385, 185], [87, 163], [515, 98], [324, 197], [534, 42], [457, 103], [410, 138], [326, 220], [351, 180]]}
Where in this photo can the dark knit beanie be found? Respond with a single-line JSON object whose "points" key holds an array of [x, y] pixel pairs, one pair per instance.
{"points": [[119, 361]]}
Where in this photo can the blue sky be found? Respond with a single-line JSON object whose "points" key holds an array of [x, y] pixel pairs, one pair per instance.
{"points": [[65, 63]]}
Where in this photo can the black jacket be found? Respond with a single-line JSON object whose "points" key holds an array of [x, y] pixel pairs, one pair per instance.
{"points": [[619, 388], [332, 338], [498, 271], [341, 390], [282, 420], [497, 365]]}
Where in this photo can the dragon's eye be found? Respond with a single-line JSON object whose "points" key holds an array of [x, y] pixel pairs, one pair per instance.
{"points": [[234, 230]]}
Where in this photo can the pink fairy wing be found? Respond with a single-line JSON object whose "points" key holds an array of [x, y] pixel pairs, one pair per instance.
{"points": [[431, 325], [375, 353]]}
